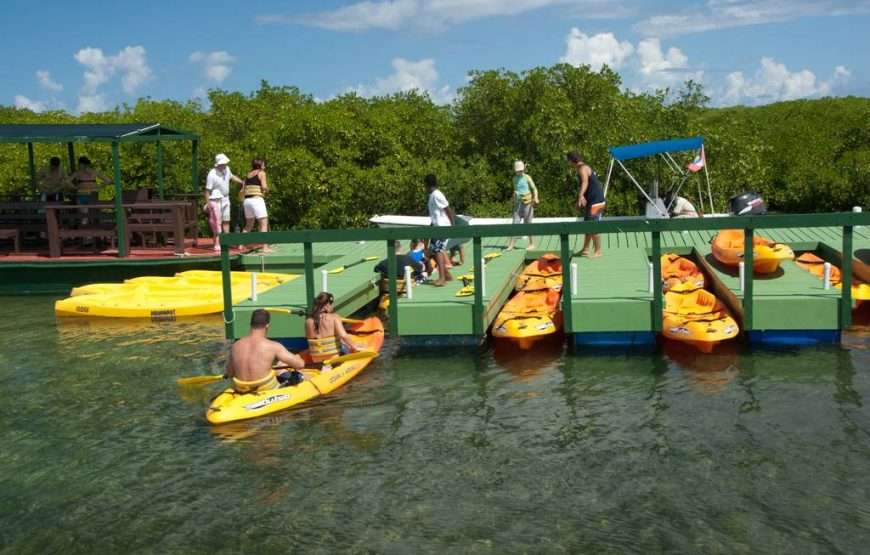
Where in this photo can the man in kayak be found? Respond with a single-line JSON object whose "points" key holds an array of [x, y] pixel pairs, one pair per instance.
{"points": [[590, 199], [251, 359]]}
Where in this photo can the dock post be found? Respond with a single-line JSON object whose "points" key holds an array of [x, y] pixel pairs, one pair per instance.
{"points": [[748, 272], [324, 280], [31, 164], [120, 220], [391, 281], [741, 272], [573, 279], [253, 286], [483, 276], [826, 279], [846, 279], [226, 283], [567, 290], [309, 274], [477, 326], [656, 281], [650, 272], [409, 292]]}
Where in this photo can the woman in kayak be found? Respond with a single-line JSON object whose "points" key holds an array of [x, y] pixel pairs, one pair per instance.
{"points": [[325, 332]]}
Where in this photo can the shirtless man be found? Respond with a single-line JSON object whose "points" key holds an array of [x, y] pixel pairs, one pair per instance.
{"points": [[251, 358]]}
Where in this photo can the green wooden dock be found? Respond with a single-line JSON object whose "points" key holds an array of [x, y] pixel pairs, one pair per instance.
{"points": [[612, 302]]}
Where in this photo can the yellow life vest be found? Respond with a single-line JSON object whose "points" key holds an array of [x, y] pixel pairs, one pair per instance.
{"points": [[526, 198], [253, 190], [323, 348], [267, 382]]}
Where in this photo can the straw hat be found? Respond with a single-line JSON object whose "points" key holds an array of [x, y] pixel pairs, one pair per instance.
{"points": [[221, 159], [519, 166]]}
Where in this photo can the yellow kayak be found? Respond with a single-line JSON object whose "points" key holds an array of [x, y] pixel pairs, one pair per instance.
{"points": [[230, 406], [697, 318], [163, 298], [727, 248], [534, 312]]}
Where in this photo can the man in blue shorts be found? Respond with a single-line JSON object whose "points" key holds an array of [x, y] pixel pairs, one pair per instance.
{"points": [[590, 199], [441, 215]]}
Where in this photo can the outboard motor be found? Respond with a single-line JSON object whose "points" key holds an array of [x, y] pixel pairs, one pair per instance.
{"points": [[748, 203]]}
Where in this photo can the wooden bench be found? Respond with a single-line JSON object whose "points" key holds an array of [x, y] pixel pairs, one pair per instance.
{"points": [[158, 217], [13, 234], [87, 221]]}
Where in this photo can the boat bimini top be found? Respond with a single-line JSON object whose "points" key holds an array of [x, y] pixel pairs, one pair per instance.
{"points": [[663, 149]]}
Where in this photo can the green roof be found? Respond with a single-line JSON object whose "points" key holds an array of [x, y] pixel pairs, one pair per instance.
{"points": [[97, 132]]}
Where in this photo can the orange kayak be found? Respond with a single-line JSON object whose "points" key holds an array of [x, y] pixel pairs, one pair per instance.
{"points": [[816, 266], [697, 318], [680, 274], [727, 248], [543, 273], [529, 316]]}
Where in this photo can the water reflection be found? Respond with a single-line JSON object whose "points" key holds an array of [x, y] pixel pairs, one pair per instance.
{"points": [[706, 373]]}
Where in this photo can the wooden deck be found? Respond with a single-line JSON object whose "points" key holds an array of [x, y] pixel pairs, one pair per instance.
{"points": [[612, 297]]}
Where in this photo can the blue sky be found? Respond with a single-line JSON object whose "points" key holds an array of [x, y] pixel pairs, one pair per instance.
{"points": [[89, 56]]}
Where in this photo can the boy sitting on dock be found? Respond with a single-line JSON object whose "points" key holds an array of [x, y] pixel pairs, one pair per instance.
{"points": [[251, 359]]}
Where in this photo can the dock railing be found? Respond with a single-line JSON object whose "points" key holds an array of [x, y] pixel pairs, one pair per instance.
{"points": [[844, 220]]}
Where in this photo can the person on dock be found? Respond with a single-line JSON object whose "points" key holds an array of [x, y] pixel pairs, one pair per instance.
{"points": [[251, 359], [53, 181], [525, 198], [256, 187], [441, 215], [87, 181], [590, 199], [325, 331], [402, 260], [217, 197], [680, 207]]}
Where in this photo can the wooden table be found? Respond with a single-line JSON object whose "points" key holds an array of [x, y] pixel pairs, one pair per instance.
{"points": [[138, 217]]}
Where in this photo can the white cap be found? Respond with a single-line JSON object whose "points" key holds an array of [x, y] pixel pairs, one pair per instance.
{"points": [[221, 159], [519, 166]]}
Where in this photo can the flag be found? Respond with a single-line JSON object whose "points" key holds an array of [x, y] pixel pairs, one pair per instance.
{"points": [[698, 163]]}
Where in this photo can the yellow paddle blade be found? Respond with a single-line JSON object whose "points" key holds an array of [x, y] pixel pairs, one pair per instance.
{"points": [[336, 270], [489, 256], [296, 311], [352, 321], [350, 356], [466, 291], [467, 277], [199, 380]]}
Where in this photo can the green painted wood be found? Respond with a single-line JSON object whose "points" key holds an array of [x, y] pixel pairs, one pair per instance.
{"points": [[71, 156], [393, 289], [656, 316], [159, 164], [567, 293], [120, 221], [31, 164], [226, 284], [194, 169], [846, 277], [748, 278], [309, 275], [477, 312]]}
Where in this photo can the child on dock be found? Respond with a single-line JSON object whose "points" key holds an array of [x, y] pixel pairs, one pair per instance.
{"points": [[525, 199]]}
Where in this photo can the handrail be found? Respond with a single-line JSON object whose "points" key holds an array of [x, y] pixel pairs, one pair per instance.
{"points": [[654, 226]]}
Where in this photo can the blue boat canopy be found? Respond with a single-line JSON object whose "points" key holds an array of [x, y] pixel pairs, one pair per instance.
{"points": [[627, 152]]}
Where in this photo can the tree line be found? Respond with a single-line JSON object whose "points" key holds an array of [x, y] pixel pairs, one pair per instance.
{"points": [[335, 163]]}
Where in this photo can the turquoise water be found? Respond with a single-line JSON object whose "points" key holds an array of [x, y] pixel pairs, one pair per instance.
{"points": [[432, 451]]}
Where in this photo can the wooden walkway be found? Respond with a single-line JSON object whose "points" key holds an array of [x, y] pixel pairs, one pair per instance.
{"points": [[612, 296]]}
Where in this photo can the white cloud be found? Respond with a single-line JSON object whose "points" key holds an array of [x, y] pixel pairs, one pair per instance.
{"points": [[433, 14], [28, 104], [596, 51], [408, 76], [46, 82], [774, 82], [130, 62], [217, 65], [664, 69], [721, 14]]}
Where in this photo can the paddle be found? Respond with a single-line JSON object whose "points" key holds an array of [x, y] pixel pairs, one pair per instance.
{"points": [[343, 268], [300, 312]]}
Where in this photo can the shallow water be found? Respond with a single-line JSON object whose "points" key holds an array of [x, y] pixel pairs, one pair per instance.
{"points": [[484, 452]]}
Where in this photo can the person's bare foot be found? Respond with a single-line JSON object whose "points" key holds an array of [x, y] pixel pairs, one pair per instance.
{"points": [[448, 276], [595, 254], [531, 247], [438, 283], [509, 248], [584, 252]]}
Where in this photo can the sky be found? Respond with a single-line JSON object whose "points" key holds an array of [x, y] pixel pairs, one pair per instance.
{"points": [[92, 55]]}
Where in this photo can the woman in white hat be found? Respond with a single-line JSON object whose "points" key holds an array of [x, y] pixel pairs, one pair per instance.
{"points": [[217, 196], [525, 198]]}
